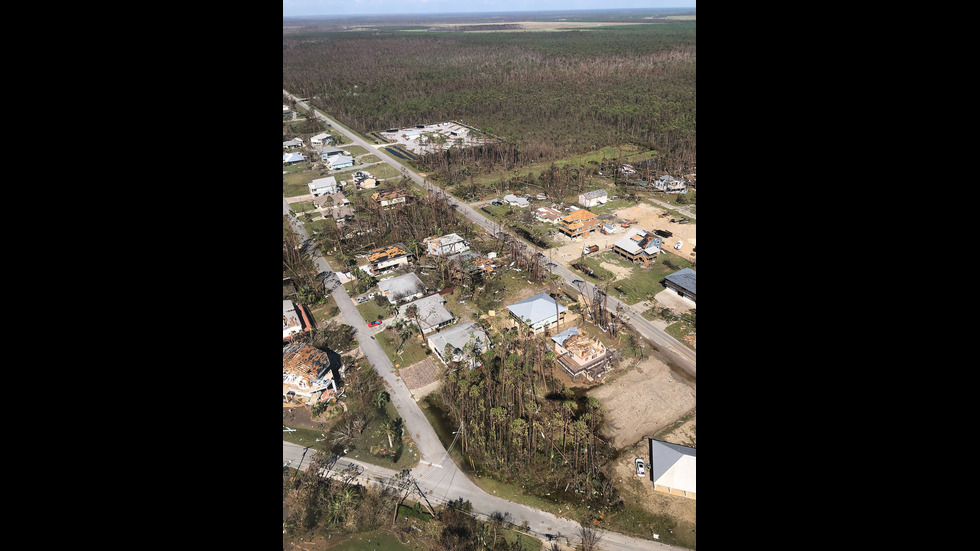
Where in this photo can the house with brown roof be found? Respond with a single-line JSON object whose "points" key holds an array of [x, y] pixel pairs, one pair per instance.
{"points": [[387, 258], [306, 374], [579, 354], [578, 223]]}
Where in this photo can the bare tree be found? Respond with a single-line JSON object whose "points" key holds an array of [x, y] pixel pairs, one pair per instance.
{"points": [[590, 538]]}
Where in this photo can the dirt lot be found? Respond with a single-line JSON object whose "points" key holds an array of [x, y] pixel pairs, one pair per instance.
{"points": [[643, 401], [648, 218], [648, 401]]}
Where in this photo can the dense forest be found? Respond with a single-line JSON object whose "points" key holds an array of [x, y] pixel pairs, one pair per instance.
{"points": [[546, 94], [518, 421]]}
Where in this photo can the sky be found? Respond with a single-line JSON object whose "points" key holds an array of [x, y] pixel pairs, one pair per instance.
{"points": [[293, 8]]}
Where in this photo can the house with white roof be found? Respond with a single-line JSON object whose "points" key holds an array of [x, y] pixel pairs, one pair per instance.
{"points": [[516, 201], [292, 158], [593, 198], [468, 341], [548, 214], [289, 144], [402, 288], [674, 469], [321, 139], [446, 245], [431, 313], [337, 162], [323, 186], [538, 313]]}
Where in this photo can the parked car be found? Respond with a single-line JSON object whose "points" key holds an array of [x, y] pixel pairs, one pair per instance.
{"points": [[374, 323], [360, 300], [639, 466]]}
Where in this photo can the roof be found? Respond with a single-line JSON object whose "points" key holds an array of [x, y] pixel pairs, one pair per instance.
{"points": [[431, 311], [321, 136], [578, 343], [594, 194], [290, 319], [460, 336], [318, 183], [401, 286], [580, 214], [674, 466], [385, 195], [561, 337], [686, 279], [292, 157], [387, 253], [341, 160], [305, 360], [447, 244], [537, 309], [637, 240], [547, 212], [331, 150], [515, 199]]}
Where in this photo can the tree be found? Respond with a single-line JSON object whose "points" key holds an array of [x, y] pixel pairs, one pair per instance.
{"points": [[404, 334], [387, 428], [412, 311]]}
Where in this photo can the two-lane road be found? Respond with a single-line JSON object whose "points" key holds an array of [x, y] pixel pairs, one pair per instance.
{"points": [[679, 355]]}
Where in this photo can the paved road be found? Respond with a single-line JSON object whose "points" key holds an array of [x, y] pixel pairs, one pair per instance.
{"points": [[437, 475], [676, 353]]}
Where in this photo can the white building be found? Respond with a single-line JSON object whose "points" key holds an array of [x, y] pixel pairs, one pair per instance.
{"points": [[446, 245], [323, 186], [465, 339], [674, 468], [402, 288], [593, 198]]}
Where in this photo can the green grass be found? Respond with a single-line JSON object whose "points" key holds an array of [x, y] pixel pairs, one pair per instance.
{"points": [[370, 311], [411, 352], [294, 183], [646, 282], [355, 150], [372, 541], [304, 437]]}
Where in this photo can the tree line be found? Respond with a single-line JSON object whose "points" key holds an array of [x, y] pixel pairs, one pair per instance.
{"points": [[548, 94]]}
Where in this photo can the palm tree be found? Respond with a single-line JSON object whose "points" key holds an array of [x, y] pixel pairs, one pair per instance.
{"points": [[413, 312], [387, 428], [403, 335]]}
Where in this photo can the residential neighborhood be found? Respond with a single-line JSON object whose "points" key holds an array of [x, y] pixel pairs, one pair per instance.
{"points": [[577, 288]]}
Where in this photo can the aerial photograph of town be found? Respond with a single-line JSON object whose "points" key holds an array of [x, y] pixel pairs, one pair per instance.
{"points": [[489, 251]]}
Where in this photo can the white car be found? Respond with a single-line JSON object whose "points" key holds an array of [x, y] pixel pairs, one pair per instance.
{"points": [[639, 466]]}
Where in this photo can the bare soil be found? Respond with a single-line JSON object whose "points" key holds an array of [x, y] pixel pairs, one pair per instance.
{"points": [[649, 218], [643, 401]]}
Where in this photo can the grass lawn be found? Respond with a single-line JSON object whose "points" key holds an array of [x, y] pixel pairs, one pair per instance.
{"points": [[294, 183], [304, 437], [372, 541], [370, 311], [410, 353], [646, 282], [355, 150]]}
